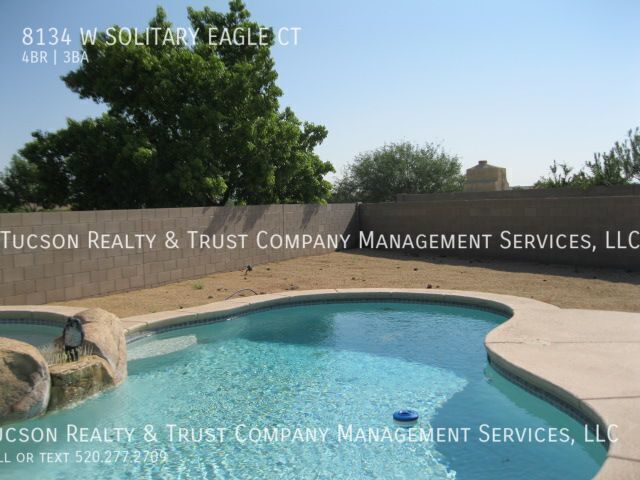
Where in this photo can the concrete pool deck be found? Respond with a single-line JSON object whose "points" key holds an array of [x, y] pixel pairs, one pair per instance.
{"points": [[584, 361]]}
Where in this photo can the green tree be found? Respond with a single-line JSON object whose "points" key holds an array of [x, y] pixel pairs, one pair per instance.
{"points": [[19, 186], [618, 166], [561, 176], [185, 126], [379, 175]]}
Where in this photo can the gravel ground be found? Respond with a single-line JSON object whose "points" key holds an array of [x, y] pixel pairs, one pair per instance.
{"points": [[565, 286]]}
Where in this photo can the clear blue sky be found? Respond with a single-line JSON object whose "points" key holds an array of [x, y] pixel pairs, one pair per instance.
{"points": [[519, 83]]}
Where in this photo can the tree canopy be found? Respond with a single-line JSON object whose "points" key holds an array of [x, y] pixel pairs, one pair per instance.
{"points": [[379, 175], [186, 125], [618, 166]]}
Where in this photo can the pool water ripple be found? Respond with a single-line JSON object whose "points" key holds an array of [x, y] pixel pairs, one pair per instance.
{"points": [[318, 367]]}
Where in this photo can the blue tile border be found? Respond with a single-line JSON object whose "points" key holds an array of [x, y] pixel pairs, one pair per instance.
{"points": [[215, 318], [554, 400], [31, 321]]}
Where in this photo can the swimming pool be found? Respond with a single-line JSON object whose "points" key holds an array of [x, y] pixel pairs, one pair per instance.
{"points": [[309, 392]]}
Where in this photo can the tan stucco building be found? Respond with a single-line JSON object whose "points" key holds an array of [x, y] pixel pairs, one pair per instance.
{"points": [[486, 178]]}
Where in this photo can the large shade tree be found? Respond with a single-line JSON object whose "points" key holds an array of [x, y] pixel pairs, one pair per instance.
{"points": [[185, 125], [379, 175]]}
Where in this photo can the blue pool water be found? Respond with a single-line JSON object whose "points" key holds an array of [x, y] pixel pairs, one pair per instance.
{"points": [[326, 367], [30, 333]]}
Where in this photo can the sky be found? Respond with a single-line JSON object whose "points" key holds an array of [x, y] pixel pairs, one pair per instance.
{"points": [[519, 83]]}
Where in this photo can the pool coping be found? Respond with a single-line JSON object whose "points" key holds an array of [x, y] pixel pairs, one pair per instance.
{"points": [[586, 362]]}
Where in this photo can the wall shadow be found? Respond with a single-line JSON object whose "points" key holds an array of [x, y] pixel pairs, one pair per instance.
{"points": [[616, 275]]}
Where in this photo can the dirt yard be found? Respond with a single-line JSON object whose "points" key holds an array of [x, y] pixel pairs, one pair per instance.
{"points": [[564, 286]]}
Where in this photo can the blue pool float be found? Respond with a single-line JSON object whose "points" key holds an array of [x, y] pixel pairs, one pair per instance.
{"points": [[406, 416]]}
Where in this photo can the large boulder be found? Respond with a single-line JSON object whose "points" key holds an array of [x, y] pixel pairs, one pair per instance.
{"points": [[24, 381], [104, 337], [75, 381]]}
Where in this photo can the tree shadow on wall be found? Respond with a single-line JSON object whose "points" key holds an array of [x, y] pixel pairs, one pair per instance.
{"points": [[232, 218]]}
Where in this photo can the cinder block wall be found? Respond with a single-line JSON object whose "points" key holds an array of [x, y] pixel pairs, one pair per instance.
{"points": [[597, 191], [43, 276], [588, 214]]}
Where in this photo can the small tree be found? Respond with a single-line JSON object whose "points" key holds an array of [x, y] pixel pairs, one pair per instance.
{"points": [[561, 176], [618, 166], [381, 174], [19, 186]]}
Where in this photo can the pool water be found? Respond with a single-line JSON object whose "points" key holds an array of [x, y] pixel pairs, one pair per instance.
{"points": [[34, 334], [325, 367]]}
